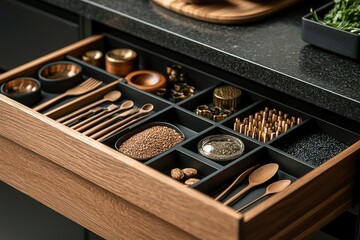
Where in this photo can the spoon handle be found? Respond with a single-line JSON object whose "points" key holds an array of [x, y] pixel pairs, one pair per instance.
{"points": [[88, 123], [81, 110], [102, 125], [88, 120], [253, 201], [236, 196], [50, 102], [114, 126], [121, 127], [238, 180], [71, 120]]}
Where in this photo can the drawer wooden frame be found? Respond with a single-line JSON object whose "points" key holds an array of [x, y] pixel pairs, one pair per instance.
{"points": [[84, 180]]}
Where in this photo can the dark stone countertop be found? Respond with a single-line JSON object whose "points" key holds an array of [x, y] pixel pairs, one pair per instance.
{"points": [[269, 52]]}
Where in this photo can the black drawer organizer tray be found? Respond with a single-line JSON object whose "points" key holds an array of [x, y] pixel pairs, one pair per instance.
{"points": [[216, 176]]}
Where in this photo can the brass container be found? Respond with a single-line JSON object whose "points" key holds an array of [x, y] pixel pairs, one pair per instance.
{"points": [[93, 57], [121, 61], [227, 97]]}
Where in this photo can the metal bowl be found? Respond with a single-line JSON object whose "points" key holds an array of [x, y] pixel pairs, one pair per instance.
{"points": [[25, 90], [60, 76]]}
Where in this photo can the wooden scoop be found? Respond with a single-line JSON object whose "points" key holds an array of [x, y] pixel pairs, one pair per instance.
{"points": [[109, 97], [90, 122], [238, 180], [273, 188], [146, 108], [257, 177], [95, 110]]}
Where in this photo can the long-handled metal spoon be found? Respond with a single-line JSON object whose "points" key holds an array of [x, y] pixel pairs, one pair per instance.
{"points": [[109, 97], [238, 180], [88, 123], [95, 110], [146, 108], [273, 188], [257, 177]]}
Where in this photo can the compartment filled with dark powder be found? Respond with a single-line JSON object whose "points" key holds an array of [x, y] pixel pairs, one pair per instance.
{"points": [[315, 148]]}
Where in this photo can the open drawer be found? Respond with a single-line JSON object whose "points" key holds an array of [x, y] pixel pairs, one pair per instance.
{"points": [[119, 197]]}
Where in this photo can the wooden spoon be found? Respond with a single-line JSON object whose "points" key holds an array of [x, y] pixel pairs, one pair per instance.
{"points": [[97, 110], [238, 180], [109, 97], [88, 123], [109, 121], [257, 177], [121, 127], [146, 108], [273, 188]]}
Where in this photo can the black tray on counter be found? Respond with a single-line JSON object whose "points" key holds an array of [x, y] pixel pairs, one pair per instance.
{"points": [[329, 38]]}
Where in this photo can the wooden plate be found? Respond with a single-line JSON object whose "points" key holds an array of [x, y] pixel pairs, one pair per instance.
{"points": [[227, 11]]}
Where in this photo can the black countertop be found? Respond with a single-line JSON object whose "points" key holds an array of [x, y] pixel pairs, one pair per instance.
{"points": [[269, 52]]}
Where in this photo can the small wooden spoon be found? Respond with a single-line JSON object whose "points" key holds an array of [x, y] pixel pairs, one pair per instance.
{"points": [[97, 110], [88, 123], [238, 180], [109, 121], [146, 108], [109, 97], [257, 177], [273, 188]]}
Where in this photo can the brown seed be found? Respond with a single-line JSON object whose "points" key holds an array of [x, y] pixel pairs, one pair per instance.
{"points": [[190, 172], [177, 174], [191, 181]]}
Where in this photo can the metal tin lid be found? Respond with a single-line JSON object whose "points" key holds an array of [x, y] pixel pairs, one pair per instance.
{"points": [[227, 97]]}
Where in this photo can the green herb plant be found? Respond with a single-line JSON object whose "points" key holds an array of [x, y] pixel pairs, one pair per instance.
{"points": [[345, 15]]}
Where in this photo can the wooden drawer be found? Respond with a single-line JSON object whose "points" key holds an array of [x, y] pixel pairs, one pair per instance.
{"points": [[120, 198]]}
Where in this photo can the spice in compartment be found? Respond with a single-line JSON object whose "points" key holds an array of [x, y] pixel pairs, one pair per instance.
{"points": [[221, 147], [188, 176], [154, 139], [315, 148], [266, 124]]}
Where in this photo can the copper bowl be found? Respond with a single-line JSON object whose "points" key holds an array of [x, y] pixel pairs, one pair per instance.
{"points": [[24, 90], [59, 76], [121, 61], [146, 80]]}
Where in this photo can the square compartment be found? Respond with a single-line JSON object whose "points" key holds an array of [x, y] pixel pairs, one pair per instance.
{"points": [[229, 123], [315, 142], [206, 98], [192, 144], [177, 159], [288, 169], [329, 38]]}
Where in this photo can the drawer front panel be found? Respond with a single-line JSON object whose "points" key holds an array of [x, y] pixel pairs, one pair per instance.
{"points": [[79, 199]]}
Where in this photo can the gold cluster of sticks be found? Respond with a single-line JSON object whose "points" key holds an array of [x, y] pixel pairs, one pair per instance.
{"points": [[266, 124]]}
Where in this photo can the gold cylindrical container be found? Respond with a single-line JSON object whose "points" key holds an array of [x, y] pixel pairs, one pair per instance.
{"points": [[227, 97], [121, 61], [93, 57]]}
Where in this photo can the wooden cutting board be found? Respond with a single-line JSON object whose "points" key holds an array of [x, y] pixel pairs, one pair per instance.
{"points": [[227, 11]]}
